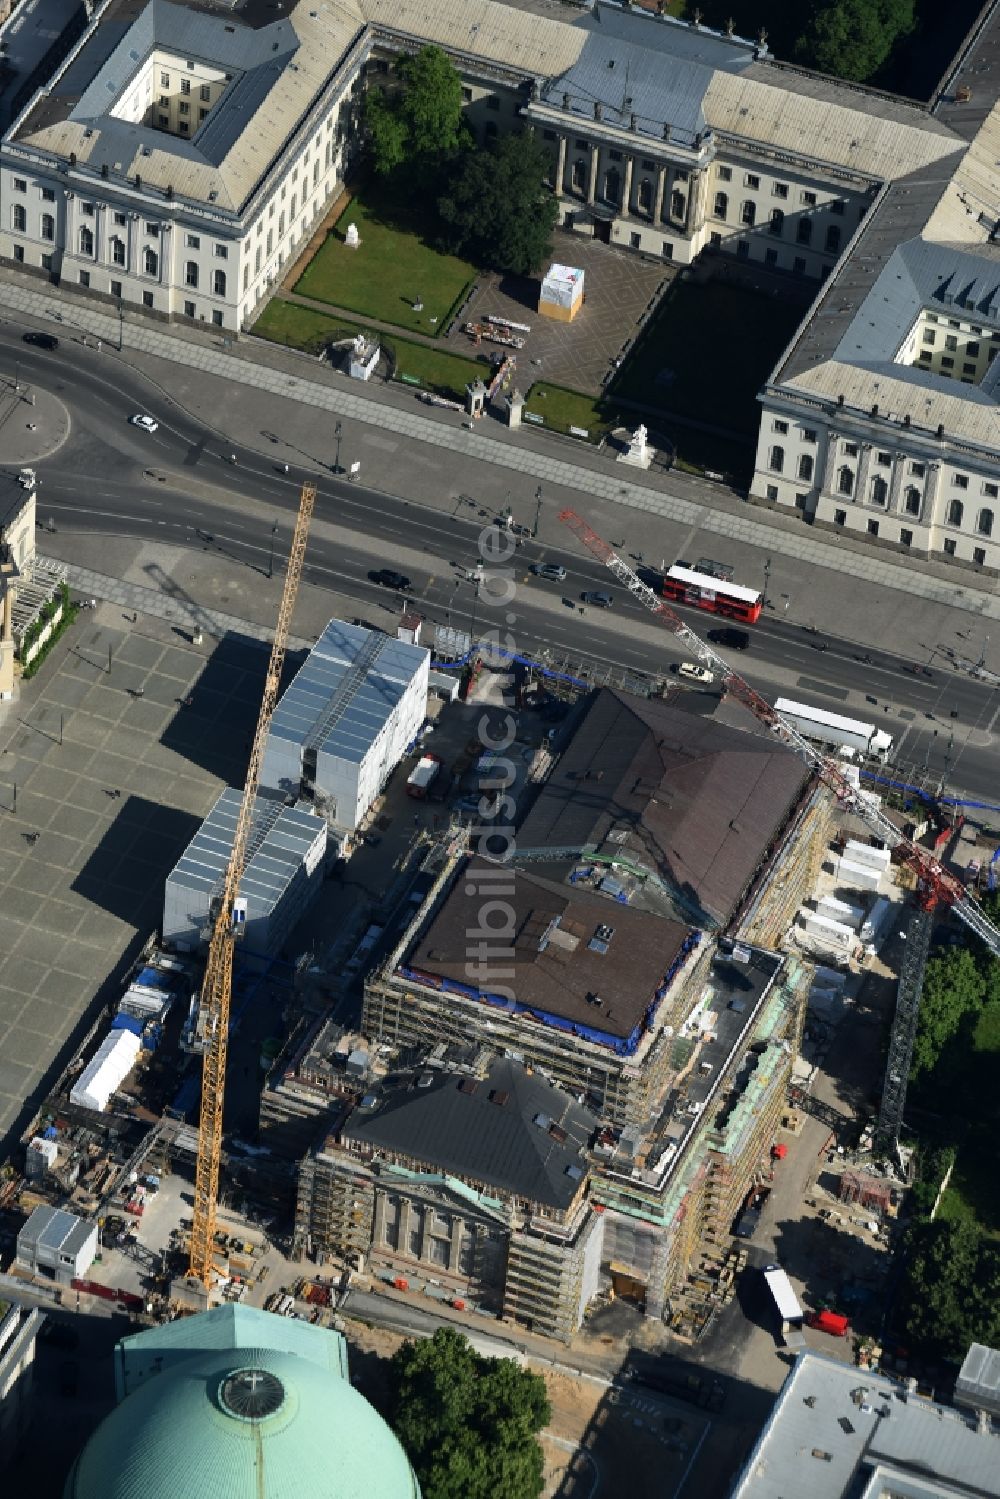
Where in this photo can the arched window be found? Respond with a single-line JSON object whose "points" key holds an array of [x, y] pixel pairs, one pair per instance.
{"points": [[806, 466], [804, 231], [613, 186], [880, 490], [721, 205], [749, 213], [644, 199], [118, 250], [191, 273], [678, 203], [777, 221], [845, 480], [219, 283], [777, 460], [150, 262], [912, 500], [86, 241], [956, 511], [984, 525], [20, 218], [48, 227]]}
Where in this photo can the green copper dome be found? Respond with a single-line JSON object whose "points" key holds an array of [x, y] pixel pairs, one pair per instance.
{"points": [[239, 1423]]}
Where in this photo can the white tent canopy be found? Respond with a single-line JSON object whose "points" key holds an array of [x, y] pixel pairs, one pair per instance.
{"points": [[109, 1066]]}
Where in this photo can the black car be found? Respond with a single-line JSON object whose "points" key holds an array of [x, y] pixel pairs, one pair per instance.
{"points": [[730, 639], [42, 340], [387, 577]]}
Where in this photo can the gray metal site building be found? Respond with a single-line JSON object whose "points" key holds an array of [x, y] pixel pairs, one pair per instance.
{"points": [[283, 873], [346, 720], [837, 1432]]}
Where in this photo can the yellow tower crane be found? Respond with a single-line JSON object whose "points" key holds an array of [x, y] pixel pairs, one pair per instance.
{"points": [[217, 984]]}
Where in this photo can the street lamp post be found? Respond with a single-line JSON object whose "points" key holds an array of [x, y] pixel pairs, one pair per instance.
{"points": [[982, 654], [538, 512], [767, 579], [270, 559], [338, 432]]}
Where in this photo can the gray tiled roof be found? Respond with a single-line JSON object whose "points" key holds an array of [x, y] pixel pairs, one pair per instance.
{"points": [[495, 1131], [53, 1229], [698, 800]]}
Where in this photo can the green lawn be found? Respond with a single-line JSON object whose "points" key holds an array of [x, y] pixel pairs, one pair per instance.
{"points": [[391, 268], [707, 352], [563, 409], [303, 328]]}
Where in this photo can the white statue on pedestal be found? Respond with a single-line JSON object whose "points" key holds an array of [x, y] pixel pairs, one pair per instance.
{"points": [[352, 238]]}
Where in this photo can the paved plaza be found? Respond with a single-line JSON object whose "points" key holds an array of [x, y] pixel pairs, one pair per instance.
{"points": [[105, 760], [619, 289]]}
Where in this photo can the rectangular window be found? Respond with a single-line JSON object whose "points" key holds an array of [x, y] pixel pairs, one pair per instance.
{"points": [[19, 254], [809, 199], [680, 175], [184, 109], [120, 218], [906, 538], [668, 250], [972, 351], [770, 257], [217, 319], [991, 491], [714, 240], [466, 96], [979, 556], [808, 434], [917, 470], [204, 93], [164, 101], [772, 491], [493, 102], [750, 180], [840, 517], [221, 252], [799, 266], [116, 289], [20, 184], [185, 85], [202, 115], [164, 80], [837, 207], [147, 299], [743, 249], [926, 355], [884, 460], [48, 195], [960, 481], [192, 241], [635, 240], [162, 121], [88, 210], [873, 528], [183, 126], [189, 309], [725, 174], [968, 369], [949, 546], [84, 278], [930, 336], [779, 189], [951, 343], [851, 449], [777, 426]]}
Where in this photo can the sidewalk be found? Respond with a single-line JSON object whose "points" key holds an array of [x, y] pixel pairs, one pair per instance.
{"points": [[693, 504]]}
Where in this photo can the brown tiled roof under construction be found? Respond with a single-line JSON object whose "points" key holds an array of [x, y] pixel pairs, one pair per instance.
{"points": [[550, 964], [698, 800]]}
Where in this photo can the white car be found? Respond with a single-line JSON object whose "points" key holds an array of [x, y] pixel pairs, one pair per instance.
{"points": [[145, 422], [694, 673]]}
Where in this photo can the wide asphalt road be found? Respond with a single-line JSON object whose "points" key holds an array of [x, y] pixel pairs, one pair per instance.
{"points": [[179, 485]]}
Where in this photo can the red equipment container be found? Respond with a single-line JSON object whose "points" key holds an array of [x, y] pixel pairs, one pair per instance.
{"points": [[832, 1322], [778, 1152]]}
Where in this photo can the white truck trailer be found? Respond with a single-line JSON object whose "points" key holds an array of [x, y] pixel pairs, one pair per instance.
{"points": [[835, 731]]}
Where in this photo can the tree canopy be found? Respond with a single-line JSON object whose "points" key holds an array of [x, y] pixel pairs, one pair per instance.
{"points": [[469, 1424], [954, 986], [420, 119], [951, 1291], [853, 38], [497, 209]]}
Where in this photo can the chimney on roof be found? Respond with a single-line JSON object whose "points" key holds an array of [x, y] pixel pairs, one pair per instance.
{"points": [[875, 409], [940, 431], [840, 400]]}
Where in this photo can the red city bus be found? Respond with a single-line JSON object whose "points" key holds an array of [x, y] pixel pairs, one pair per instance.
{"points": [[703, 591]]}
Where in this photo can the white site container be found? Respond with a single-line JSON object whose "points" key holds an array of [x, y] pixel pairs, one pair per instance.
{"points": [[857, 876], [841, 910], [107, 1069], [864, 853], [877, 920], [825, 930]]}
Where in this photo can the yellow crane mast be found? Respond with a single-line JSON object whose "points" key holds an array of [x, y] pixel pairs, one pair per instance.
{"points": [[217, 984]]}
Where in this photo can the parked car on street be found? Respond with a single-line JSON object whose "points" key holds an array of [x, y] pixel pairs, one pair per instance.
{"points": [[692, 672], [552, 572], [597, 599], [387, 577]]}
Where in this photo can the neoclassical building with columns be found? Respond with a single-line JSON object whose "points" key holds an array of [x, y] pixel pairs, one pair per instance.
{"points": [[182, 152]]}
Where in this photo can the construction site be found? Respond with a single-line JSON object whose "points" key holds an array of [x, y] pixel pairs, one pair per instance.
{"points": [[592, 1112]]}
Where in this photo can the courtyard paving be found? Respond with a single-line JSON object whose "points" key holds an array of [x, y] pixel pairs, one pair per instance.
{"points": [[619, 289], [105, 775]]}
